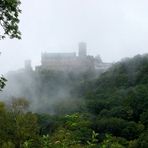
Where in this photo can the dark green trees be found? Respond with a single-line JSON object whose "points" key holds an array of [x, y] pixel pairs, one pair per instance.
{"points": [[9, 12], [17, 125]]}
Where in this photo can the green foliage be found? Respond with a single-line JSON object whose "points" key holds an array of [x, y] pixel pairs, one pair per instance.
{"points": [[16, 127], [96, 106], [133, 144], [61, 107], [80, 125], [111, 142], [8, 145], [113, 114], [118, 127], [142, 141], [93, 142], [49, 123], [63, 138], [19, 105], [144, 118], [2, 82], [137, 100], [9, 12]]}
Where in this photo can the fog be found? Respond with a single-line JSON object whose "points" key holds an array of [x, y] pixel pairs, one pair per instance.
{"points": [[112, 28], [47, 91]]}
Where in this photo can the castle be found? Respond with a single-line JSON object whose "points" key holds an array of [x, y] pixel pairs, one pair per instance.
{"points": [[70, 61], [67, 61]]}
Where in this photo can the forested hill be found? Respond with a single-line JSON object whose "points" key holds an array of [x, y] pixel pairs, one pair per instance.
{"points": [[110, 111], [127, 73], [124, 85], [119, 100], [48, 91]]}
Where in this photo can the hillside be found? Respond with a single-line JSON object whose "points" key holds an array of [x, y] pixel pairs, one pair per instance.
{"points": [[119, 100], [108, 111]]}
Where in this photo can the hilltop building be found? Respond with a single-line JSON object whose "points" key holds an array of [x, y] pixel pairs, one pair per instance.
{"points": [[71, 62]]}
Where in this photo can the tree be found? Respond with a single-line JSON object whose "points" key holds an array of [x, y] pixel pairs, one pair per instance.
{"points": [[2, 82], [113, 142], [16, 124], [9, 12], [26, 128], [19, 105]]}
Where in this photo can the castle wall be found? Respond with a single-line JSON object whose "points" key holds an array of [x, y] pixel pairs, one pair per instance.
{"points": [[71, 62]]}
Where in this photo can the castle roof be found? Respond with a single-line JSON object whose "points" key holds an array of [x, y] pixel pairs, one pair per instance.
{"points": [[59, 55]]}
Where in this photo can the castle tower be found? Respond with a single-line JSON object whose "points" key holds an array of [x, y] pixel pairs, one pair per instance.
{"points": [[82, 49], [28, 66]]}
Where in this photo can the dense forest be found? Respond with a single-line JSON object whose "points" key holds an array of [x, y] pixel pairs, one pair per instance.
{"points": [[50, 109]]}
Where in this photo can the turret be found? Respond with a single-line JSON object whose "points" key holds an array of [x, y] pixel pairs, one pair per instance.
{"points": [[82, 49], [28, 66]]}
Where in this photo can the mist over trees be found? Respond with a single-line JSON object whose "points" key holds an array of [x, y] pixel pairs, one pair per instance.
{"points": [[59, 109], [47, 90], [88, 111]]}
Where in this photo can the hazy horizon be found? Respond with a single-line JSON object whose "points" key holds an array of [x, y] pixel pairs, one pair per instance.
{"points": [[111, 28]]}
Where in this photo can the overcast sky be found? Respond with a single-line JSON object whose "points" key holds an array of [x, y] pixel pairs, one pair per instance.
{"points": [[114, 29]]}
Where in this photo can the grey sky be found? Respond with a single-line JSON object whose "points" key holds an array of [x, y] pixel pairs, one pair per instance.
{"points": [[112, 28]]}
